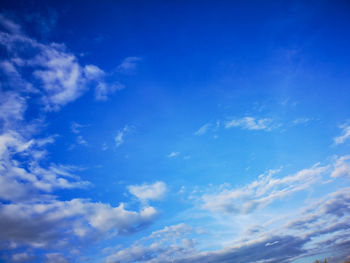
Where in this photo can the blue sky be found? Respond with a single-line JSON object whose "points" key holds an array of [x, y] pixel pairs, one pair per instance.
{"points": [[174, 131]]}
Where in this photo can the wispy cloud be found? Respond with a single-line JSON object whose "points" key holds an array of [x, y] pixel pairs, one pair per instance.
{"points": [[173, 154], [167, 244], [103, 90], [32, 216], [251, 123], [202, 130], [301, 121], [81, 140], [321, 224], [341, 167], [344, 136], [10, 25], [55, 72], [261, 192], [129, 65], [119, 138], [75, 127]]}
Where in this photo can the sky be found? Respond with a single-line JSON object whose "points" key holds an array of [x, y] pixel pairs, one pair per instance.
{"points": [[174, 131]]}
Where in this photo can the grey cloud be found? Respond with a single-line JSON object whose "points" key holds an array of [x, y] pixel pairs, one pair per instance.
{"points": [[42, 224], [163, 245], [285, 250]]}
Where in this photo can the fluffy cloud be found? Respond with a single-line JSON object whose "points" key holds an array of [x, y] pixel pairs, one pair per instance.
{"points": [[55, 72], [147, 192], [32, 217], [42, 224], [251, 123]]}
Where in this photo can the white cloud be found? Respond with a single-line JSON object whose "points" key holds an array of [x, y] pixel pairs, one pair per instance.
{"points": [[57, 73], [251, 123], [12, 108], [103, 90], [173, 154], [341, 167], [147, 192], [31, 214], [81, 141], [301, 121], [321, 226], [202, 130], [261, 192], [119, 138], [93, 72], [129, 65], [75, 127], [172, 231], [345, 134], [21, 180], [163, 245]]}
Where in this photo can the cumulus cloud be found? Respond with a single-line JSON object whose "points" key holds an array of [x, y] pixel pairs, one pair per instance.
{"points": [[146, 192], [251, 123], [42, 224], [344, 136], [31, 214], [261, 192]]}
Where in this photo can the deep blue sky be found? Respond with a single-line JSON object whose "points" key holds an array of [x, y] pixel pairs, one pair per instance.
{"points": [[174, 131]]}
